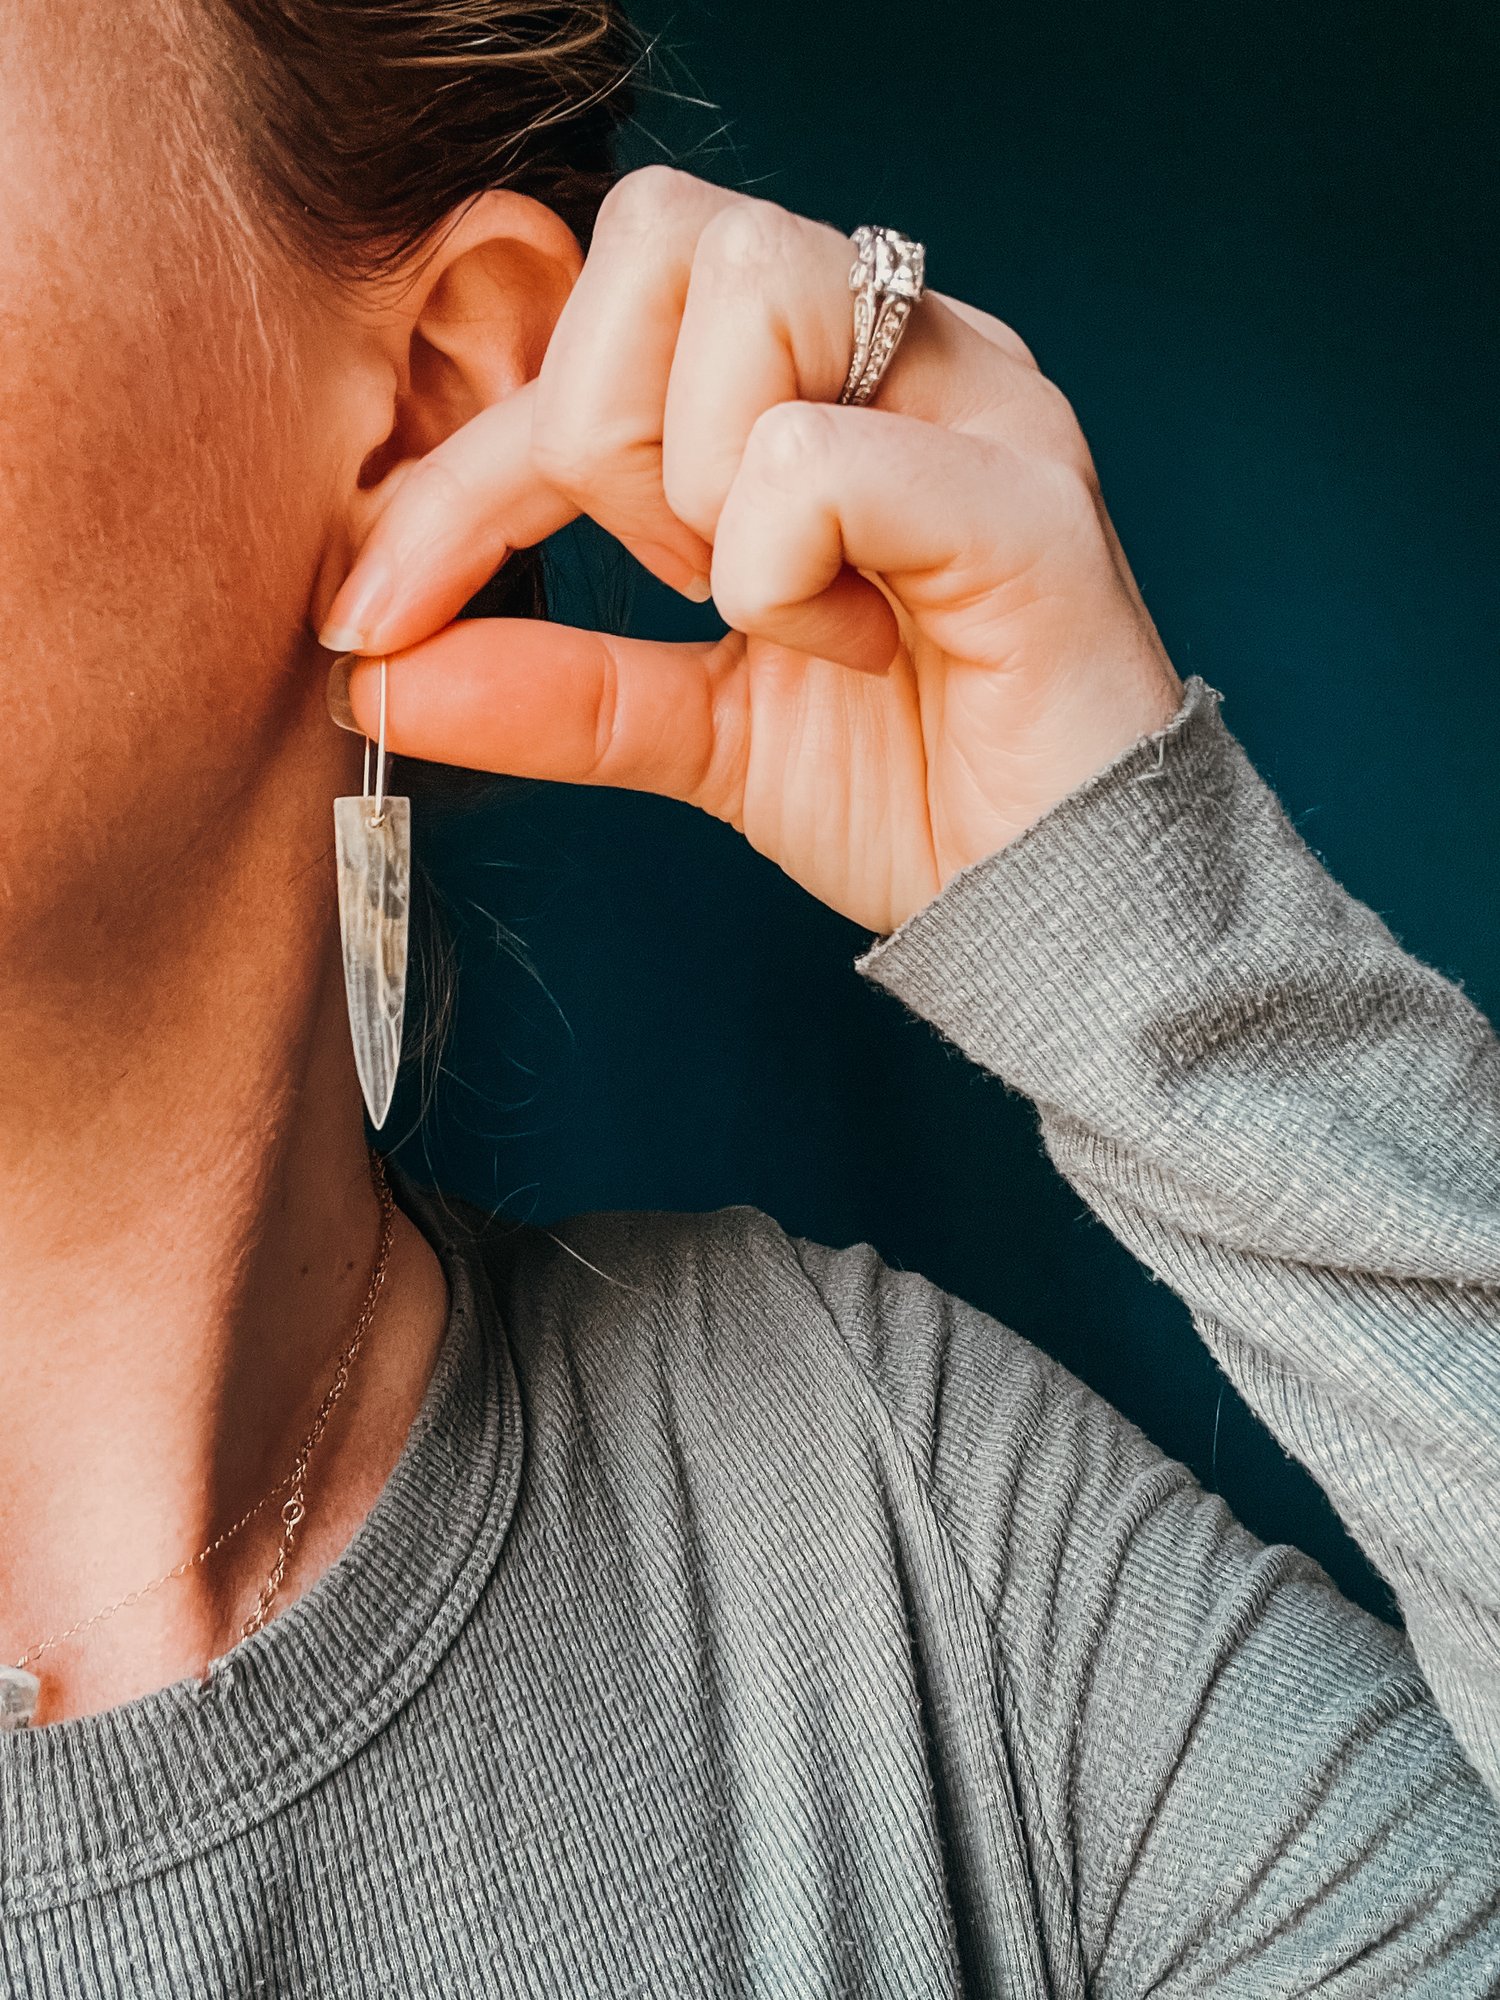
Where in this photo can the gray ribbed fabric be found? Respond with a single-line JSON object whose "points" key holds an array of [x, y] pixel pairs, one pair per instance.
{"points": [[745, 1617]]}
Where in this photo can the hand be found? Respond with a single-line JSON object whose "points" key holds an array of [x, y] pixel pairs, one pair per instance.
{"points": [[936, 634]]}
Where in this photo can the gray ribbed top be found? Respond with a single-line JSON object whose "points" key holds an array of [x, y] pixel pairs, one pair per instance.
{"points": [[745, 1616]]}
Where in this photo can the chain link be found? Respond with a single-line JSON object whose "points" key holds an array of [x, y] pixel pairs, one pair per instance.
{"points": [[294, 1509]]}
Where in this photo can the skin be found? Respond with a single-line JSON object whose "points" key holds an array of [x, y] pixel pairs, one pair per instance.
{"points": [[936, 638]]}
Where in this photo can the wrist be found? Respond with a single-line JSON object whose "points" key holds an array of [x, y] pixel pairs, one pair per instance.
{"points": [[1079, 732]]}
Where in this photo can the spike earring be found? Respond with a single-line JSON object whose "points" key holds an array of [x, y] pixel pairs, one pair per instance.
{"points": [[373, 839]]}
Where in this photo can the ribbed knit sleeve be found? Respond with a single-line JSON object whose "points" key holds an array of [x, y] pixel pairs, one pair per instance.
{"points": [[1288, 1118]]}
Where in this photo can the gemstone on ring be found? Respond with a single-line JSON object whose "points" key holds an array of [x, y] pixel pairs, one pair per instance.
{"points": [[893, 263]]}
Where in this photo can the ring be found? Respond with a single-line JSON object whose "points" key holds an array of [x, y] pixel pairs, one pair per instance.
{"points": [[887, 281]]}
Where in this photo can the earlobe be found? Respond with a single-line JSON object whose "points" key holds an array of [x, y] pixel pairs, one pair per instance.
{"points": [[467, 329]]}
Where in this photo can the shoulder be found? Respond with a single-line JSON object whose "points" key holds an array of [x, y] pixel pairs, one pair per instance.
{"points": [[725, 1319], [711, 1302], [723, 1340], [720, 1310], [712, 1287]]}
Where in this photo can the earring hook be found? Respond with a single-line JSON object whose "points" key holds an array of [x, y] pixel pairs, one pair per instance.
{"points": [[379, 813]]}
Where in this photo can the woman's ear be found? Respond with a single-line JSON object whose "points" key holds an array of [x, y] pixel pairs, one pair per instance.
{"points": [[465, 329]]}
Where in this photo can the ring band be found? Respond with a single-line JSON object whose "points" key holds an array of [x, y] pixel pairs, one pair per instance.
{"points": [[887, 280]]}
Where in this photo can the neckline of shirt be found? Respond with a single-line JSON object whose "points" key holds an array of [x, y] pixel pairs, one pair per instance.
{"points": [[91, 1804]]}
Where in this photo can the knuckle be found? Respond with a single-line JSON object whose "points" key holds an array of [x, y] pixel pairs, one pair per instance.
{"points": [[561, 450], [571, 437], [1014, 346], [1048, 404], [787, 439], [1072, 502], [1057, 429], [742, 239], [641, 201], [606, 715], [436, 486]]}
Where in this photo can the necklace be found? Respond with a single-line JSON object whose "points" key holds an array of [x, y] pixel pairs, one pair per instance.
{"points": [[20, 1689]]}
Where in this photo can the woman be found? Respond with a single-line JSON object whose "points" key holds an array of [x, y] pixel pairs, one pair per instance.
{"points": [[421, 1605]]}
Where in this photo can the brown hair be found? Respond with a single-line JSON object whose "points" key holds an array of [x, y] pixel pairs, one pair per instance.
{"points": [[369, 121]]}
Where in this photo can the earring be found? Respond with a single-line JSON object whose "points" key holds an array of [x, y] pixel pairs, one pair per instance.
{"points": [[373, 839]]}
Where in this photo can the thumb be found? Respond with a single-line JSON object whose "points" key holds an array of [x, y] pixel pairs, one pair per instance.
{"points": [[537, 700]]}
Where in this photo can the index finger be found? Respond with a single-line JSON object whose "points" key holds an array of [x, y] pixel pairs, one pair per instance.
{"points": [[450, 525]]}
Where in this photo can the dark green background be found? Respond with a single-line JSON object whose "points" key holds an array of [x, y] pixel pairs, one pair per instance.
{"points": [[1255, 245]]}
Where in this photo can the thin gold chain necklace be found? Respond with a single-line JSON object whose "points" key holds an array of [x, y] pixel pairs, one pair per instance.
{"points": [[20, 1689]]}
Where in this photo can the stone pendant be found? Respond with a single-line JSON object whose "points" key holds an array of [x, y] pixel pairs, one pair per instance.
{"points": [[19, 1695], [374, 864]]}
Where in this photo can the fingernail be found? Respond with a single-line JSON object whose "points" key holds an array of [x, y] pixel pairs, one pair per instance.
{"points": [[338, 695], [698, 588], [342, 639], [357, 609]]}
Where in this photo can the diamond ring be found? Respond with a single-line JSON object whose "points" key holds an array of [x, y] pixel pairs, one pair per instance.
{"points": [[887, 281]]}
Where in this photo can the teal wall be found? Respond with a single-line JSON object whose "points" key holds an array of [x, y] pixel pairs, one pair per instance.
{"points": [[1255, 245]]}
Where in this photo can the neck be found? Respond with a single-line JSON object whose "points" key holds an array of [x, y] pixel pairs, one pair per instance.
{"points": [[187, 1229]]}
